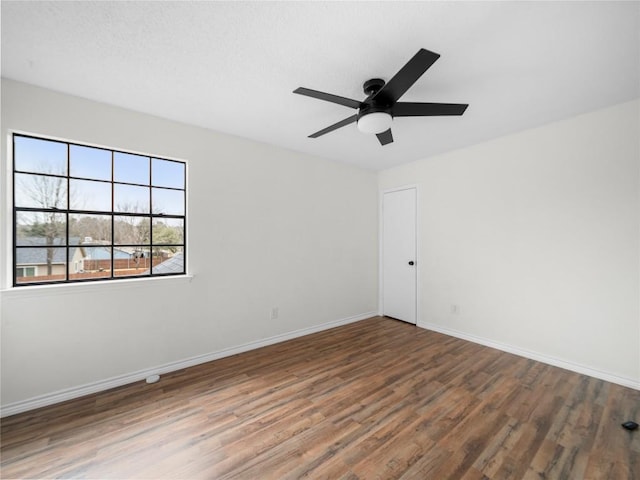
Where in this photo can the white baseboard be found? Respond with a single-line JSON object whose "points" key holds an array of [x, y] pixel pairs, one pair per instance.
{"points": [[102, 385], [556, 362]]}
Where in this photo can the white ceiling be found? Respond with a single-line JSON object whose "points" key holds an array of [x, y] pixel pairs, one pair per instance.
{"points": [[232, 66]]}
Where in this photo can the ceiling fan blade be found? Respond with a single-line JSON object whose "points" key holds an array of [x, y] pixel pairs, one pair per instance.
{"points": [[335, 126], [385, 137], [409, 109], [328, 97], [407, 76]]}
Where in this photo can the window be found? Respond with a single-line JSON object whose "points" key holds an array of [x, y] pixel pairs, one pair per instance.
{"points": [[84, 213], [25, 272]]}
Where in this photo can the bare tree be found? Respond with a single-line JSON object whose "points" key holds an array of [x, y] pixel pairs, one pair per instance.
{"points": [[99, 229], [131, 230], [47, 192]]}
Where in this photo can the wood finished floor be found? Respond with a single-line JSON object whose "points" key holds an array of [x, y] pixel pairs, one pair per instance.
{"points": [[373, 399]]}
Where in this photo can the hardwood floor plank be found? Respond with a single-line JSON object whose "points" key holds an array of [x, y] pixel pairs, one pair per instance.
{"points": [[503, 442], [373, 399]]}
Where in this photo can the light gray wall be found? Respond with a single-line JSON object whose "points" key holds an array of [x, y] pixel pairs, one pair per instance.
{"points": [[266, 227], [535, 238]]}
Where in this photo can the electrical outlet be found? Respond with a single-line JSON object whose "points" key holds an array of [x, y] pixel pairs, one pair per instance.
{"points": [[274, 313]]}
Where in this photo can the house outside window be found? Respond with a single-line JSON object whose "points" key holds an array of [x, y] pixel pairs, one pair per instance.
{"points": [[83, 213], [26, 271]]}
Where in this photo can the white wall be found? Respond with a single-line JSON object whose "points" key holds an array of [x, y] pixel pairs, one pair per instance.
{"points": [[535, 237], [266, 227]]}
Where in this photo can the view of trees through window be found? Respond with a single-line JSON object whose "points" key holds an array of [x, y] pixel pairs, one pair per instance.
{"points": [[83, 213]]}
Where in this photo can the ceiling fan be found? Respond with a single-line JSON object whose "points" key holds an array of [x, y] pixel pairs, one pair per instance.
{"points": [[376, 112]]}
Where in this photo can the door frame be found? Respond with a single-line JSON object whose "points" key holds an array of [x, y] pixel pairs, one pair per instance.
{"points": [[381, 246]]}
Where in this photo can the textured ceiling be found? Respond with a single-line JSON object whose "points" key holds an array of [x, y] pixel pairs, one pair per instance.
{"points": [[232, 66]]}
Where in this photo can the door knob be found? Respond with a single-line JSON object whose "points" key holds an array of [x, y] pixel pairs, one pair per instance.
{"points": [[411, 262]]}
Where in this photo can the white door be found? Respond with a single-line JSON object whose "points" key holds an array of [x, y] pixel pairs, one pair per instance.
{"points": [[399, 254]]}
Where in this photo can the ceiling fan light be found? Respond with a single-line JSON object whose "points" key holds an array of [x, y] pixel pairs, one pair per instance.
{"points": [[375, 122]]}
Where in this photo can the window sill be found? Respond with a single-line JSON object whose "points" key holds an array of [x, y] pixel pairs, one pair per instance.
{"points": [[95, 286]]}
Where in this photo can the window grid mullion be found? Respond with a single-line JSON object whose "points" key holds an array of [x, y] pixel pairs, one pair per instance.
{"points": [[150, 217], [113, 209], [66, 215]]}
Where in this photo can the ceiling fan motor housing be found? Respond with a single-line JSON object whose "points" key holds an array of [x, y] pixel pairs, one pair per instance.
{"points": [[372, 86], [368, 108], [373, 105]]}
